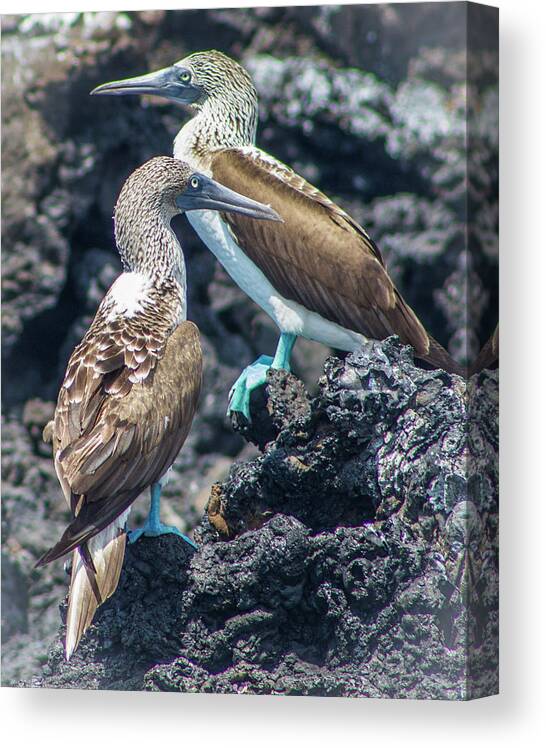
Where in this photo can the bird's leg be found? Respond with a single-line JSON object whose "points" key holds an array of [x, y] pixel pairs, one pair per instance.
{"points": [[284, 351], [153, 526], [255, 375]]}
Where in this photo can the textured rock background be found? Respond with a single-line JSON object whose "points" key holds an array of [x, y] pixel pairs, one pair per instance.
{"points": [[370, 104]]}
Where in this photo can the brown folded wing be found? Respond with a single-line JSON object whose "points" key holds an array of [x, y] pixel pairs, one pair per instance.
{"points": [[319, 257], [123, 414]]}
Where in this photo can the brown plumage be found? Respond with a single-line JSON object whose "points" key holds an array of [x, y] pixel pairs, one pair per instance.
{"points": [[132, 385], [114, 437], [319, 256], [110, 444]]}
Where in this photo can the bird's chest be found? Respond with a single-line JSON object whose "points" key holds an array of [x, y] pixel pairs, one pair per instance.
{"points": [[215, 233]]}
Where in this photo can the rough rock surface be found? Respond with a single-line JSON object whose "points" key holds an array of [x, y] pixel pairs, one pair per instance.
{"points": [[355, 557], [369, 103]]}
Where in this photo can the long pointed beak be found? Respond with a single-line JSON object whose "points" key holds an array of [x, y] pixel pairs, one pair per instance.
{"points": [[153, 83], [214, 196]]}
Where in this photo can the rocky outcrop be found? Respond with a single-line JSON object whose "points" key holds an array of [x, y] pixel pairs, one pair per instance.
{"points": [[369, 103], [355, 557]]}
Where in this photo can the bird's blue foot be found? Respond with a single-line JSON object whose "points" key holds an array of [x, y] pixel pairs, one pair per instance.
{"points": [[250, 379], [154, 531], [153, 527], [255, 375]]}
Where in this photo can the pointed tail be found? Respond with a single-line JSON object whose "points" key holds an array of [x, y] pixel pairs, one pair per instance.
{"points": [[96, 568], [410, 330], [438, 357]]}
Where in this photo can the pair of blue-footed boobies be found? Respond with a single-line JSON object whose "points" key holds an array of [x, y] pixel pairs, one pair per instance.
{"points": [[132, 385], [318, 274]]}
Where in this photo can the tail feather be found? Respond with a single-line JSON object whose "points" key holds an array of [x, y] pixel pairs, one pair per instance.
{"points": [[410, 330], [438, 357], [89, 522], [93, 583]]}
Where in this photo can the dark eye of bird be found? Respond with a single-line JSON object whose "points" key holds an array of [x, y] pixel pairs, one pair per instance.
{"points": [[185, 77], [194, 182]]}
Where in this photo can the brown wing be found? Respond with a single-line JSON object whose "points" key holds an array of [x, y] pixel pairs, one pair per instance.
{"points": [[319, 257], [123, 414]]}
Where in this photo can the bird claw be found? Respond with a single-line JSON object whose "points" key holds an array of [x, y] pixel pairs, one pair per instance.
{"points": [[250, 379], [154, 531]]}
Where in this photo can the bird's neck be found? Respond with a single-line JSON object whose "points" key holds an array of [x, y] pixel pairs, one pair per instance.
{"points": [[216, 125], [149, 248]]}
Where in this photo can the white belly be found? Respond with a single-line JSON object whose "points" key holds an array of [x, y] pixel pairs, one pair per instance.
{"points": [[288, 315]]}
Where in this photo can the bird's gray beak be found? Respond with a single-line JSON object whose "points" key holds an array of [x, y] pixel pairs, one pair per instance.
{"points": [[211, 195], [165, 83]]}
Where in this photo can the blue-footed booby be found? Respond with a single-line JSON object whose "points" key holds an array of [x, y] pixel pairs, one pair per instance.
{"points": [[318, 274], [132, 385]]}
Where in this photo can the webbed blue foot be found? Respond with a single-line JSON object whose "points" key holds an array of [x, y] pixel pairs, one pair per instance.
{"points": [[255, 375], [153, 527], [250, 379], [154, 531]]}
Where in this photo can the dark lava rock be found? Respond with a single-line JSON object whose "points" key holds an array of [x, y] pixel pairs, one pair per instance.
{"points": [[281, 402], [356, 556]]}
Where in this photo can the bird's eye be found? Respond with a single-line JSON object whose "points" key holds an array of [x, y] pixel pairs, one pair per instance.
{"points": [[185, 77], [194, 183]]}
